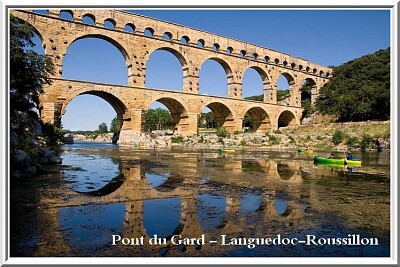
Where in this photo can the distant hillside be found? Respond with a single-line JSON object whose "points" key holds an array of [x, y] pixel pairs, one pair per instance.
{"points": [[359, 89]]}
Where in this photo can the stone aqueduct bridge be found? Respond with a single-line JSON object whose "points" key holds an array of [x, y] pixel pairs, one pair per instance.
{"points": [[192, 48]]}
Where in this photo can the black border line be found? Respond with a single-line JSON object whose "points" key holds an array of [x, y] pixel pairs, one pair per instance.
{"points": [[155, 7]]}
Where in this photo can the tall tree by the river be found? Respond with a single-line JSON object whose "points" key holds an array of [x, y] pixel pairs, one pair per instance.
{"points": [[28, 72], [359, 89]]}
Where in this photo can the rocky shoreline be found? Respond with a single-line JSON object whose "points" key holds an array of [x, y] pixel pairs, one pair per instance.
{"points": [[318, 136]]}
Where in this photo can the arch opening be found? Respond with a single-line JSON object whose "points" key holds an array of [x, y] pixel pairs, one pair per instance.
{"points": [[89, 19], [256, 120], [67, 15], [284, 88], [215, 47], [129, 27], [307, 89], [185, 40], [286, 118], [159, 77], [214, 116], [110, 24], [252, 84], [148, 32], [91, 111], [166, 114], [200, 43], [82, 61], [167, 36], [214, 77], [163, 182]]}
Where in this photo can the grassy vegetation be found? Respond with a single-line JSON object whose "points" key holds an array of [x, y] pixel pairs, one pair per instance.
{"points": [[375, 130]]}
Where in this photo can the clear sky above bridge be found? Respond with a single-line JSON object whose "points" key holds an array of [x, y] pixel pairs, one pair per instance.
{"points": [[324, 37]]}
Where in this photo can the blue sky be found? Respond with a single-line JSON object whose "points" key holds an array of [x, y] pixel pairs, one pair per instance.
{"points": [[325, 37]]}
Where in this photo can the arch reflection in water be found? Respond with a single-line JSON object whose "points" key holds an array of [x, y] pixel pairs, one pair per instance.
{"points": [[281, 206], [249, 203], [81, 230], [89, 172], [156, 179], [210, 211], [161, 216]]}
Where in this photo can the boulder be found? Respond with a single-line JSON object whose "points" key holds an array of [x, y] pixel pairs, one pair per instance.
{"points": [[24, 165], [48, 156]]}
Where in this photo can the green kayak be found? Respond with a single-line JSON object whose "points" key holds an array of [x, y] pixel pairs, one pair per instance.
{"points": [[327, 161]]}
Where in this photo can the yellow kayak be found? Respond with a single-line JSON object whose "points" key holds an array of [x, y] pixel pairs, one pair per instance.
{"points": [[226, 150], [305, 151]]}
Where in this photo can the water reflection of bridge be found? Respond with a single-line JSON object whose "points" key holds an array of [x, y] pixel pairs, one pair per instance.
{"points": [[283, 194], [132, 187]]}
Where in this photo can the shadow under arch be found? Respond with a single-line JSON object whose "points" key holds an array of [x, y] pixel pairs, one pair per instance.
{"points": [[109, 188], [287, 118], [171, 183], [178, 112], [284, 171], [222, 113], [260, 119]]}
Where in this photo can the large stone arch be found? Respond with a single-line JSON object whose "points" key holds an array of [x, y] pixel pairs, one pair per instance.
{"points": [[259, 118], [178, 113], [292, 86], [286, 118], [119, 107], [314, 88], [268, 94], [179, 56], [182, 60], [222, 114], [116, 44], [231, 84], [104, 37]]}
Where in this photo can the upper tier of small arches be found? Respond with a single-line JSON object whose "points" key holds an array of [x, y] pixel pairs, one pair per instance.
{"points": [[152, 28]]}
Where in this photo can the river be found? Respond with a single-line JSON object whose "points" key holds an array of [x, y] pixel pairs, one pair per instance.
{"points": [[116, 201]]}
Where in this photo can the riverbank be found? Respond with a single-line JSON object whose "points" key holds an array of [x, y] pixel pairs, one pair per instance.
{"points": [[370, 135]]}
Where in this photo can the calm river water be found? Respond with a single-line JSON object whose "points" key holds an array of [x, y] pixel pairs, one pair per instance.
{"points": [[179, 202]]}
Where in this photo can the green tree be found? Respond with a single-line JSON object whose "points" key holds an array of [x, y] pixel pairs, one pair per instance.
{"points": [[157, 119], [103, 128], [338, 137], [28, 72], [359, 89], [115, 125]]}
